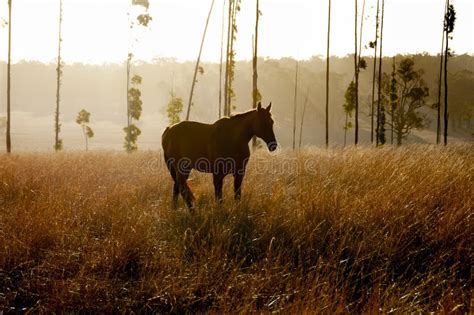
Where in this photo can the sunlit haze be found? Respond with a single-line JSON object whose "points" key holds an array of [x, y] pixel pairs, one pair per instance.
{"points": [[96, 31]]}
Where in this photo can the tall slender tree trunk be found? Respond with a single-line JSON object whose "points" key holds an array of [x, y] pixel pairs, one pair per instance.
{"points": [[302, 117], [446, 114], [345, 129], [356, 69], [227, 62], [85, 137], [399, 137], [231, 56], [255, 92], [327, 75], [220, 64], [129, 136], [374, 73], [359, 57], [8, 135], [295, 105], [57, 127], [196, 68], [380, 74], [392, 105], [128, 70], [391, 129], [391, 122], [438, 122], [360, 36]]}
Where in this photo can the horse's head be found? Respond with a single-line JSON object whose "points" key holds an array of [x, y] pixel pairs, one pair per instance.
{"points": [[263, 126]]}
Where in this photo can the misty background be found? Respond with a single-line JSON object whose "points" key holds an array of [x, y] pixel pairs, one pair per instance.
{"points": [[101, 89]]}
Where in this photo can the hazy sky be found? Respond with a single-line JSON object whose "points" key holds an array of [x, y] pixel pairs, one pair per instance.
{"points": [[97, 30]]}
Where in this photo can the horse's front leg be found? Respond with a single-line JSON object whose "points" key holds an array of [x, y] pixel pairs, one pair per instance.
{"points": [[238, 178], [218, 180]]}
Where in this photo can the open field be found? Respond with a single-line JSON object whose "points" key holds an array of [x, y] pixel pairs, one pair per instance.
{"points": [[325, 231]]}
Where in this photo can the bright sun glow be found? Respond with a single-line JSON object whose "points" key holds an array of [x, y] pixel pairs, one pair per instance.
{"points": [[96, 31]]}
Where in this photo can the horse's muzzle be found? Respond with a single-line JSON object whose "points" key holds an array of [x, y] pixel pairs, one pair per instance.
{"points": [[272, 146]]}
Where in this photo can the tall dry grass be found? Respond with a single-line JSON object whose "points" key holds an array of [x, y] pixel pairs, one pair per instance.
{"points": [[325, 231]]}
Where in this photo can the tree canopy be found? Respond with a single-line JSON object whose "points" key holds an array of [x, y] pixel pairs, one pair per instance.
{"points": [[411, 95]]}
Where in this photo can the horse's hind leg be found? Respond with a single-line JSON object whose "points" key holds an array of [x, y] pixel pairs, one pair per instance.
{"points": [[175, 188], [183, 187], [172, 171]]}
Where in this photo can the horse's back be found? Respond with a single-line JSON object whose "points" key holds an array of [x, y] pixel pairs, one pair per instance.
{"points": [[187, 139]]}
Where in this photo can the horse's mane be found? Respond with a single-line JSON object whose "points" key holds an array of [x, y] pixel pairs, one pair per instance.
{"points": [[242, 115]]}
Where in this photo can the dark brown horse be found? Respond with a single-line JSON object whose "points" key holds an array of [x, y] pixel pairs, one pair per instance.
{"points": [[221, 149]]}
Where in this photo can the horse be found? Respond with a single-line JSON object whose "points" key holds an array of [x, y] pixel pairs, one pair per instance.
{"points": [[220, 148]]}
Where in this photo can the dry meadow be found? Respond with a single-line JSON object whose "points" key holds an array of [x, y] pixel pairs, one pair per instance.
{"points": [[319, 231]]}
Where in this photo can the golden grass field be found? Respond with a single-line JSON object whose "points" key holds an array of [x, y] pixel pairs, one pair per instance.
{"points": [[321, 231]]}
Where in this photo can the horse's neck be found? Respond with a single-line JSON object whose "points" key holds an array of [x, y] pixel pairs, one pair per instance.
{"points": [[243, 128]]}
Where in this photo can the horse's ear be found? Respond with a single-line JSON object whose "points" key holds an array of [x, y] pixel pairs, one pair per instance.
{"points": [[269, 107], [259, 106]]}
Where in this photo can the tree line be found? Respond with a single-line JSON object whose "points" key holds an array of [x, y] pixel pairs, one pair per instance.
{"points": [[401, 95], [100, 89]]}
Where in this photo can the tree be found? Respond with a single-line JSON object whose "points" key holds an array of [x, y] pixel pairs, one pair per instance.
{"points": [[327, 75], [227, 56], [8, 135], [197, 68], [83, 119], [393, 98], [302, 117], [135, 111], [381, 134], [380, 74], [349, 106], [256, 96], [143, 18], [374, 46], [361, 64], [222, 54], [438, 104], [295, 105], [128, 130], [174, 109], [133, 132], [58, 143], [411, 94], [234, 8], [449, 21], [356, 74]]}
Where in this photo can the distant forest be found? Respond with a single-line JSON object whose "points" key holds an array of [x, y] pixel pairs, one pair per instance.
{"points": [[102, 90]]}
